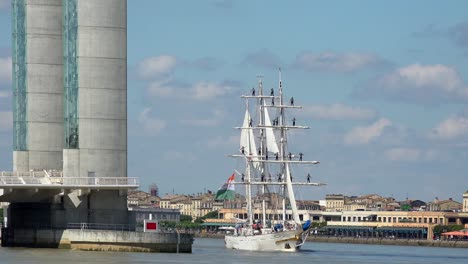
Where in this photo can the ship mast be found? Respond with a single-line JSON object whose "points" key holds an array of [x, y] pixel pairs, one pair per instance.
{"points": [[256, 159], [262, 150], [284, 149], [283, 188], [248, 170]]}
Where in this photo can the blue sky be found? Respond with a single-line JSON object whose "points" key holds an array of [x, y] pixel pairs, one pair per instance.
{"points": [[384, 85]]}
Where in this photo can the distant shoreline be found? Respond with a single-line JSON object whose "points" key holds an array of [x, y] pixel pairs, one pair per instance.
{"points": [[370, 241]]}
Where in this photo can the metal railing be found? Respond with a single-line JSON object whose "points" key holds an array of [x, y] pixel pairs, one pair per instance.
{"points": [[100, 226], [33, 173], [45, 179]]}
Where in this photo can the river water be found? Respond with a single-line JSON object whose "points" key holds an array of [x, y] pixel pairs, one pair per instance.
{"points": [[213, 251]]}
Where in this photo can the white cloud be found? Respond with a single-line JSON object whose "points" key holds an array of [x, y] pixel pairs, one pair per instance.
{"points": [[365, 134], [339, 112], [162, 88], [450, 128], [5, 70], [157, 66], [164, 84], [201, 91], [151, 126], [336, 62], [403, 154], [204, 90], [206, 63], [419, 83], [411, 154], [6, 120], [263, 58], [459, 33]]}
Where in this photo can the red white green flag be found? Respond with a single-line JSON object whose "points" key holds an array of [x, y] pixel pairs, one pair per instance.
{"points": [[226, 192]]}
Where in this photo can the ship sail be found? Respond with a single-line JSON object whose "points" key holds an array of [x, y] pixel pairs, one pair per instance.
{"points": [[270, 136], [247, 138], [244, 136]]}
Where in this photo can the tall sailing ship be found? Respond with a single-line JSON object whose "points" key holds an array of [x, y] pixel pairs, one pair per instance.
{"points": [[267, 175]]}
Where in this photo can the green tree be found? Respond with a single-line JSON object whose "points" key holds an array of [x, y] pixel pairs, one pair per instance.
{"points": [[188, 225], [213, 214], [406, 207], [185, 218], [439, 229], [167, 224], [318, 224]]}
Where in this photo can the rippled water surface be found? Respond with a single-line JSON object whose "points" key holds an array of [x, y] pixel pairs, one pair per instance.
{"points": [[213, 251]]}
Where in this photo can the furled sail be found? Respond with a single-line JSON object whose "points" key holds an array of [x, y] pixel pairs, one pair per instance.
{"points": [[270, 136], [253, 148], [244, 136], [247, 139]]}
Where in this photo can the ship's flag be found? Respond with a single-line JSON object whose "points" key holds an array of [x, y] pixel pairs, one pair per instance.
{"points": [[226, 192]]}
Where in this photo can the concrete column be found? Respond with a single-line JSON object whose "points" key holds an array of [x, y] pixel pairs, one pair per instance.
{"points": [[430, 232], [102, 88], [44, 84]]}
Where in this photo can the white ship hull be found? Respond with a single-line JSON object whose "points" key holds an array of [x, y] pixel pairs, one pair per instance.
{"points": [[287, 241]]}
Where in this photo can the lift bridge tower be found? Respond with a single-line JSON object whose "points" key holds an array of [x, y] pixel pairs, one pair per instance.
{"points": [[70, 114]]}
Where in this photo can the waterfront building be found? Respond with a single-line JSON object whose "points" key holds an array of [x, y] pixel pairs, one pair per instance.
{"points": [[334, 202], [150, 213], [444, 205], [191, 205], [137, 198], [308, 205], [355, 207], [408, 224], [339, 202], [465, 202]]}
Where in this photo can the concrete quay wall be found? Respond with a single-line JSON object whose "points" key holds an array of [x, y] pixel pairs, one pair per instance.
{"points": [[370, 241], [396, 242], [98, 240]]}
